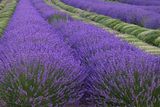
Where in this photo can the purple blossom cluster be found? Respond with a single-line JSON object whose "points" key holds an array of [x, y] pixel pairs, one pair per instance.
{"points": [[30, 41], [126, 13]]}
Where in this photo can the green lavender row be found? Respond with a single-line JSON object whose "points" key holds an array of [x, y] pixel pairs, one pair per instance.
{"points": [[6, 13], [147, 35], [2, 4]]}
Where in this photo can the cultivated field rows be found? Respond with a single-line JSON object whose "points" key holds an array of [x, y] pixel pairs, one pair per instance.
{"points": [[73, 53]]}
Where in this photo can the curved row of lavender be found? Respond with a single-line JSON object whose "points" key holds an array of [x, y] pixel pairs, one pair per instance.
{"points": [[112, 65], [37, 68], [142, 2], [153, 8], [127, 14]]}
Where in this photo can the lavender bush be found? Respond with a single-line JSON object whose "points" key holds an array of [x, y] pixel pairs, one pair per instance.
{"points": [[36, 67], [2, 4], [133, 82], [36, 85]]}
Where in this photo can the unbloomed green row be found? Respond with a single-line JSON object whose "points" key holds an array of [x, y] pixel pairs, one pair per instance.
{"points": [[6, 13], [2, 4]]}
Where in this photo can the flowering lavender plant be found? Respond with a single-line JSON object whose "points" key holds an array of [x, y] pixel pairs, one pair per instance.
{"points": [[36, 66], [36, 85], [133, 82]]}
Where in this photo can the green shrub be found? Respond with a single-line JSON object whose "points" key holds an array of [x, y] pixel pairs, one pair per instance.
{"points": [[8, 8], [92, 17], [5, 14], [56, 18], [62, 6], [119, 26], [70, 9], [138, 31], [4, 18], [1, 31], [99, 18], [157, 42], [112, 25], [109, 22], [85, 14], [3, 23], [1, 6], [102, 20], [78, 11], [149, 36], [130, 29], [127, 27]]}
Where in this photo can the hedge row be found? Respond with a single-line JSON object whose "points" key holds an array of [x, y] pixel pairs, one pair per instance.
{"points": [[147, 35], [6, 13]]}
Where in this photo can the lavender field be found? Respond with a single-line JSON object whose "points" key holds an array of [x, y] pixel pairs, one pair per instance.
{"points": [[79, 53]]}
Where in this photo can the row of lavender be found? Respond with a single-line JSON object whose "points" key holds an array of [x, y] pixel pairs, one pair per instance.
{"points": [[71, 53], [128, 14], [153, 6], [36, 67], [142, 2], [111, 69]]}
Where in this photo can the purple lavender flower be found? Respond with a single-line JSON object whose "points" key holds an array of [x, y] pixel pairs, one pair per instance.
{"points": [[126, 13]]}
